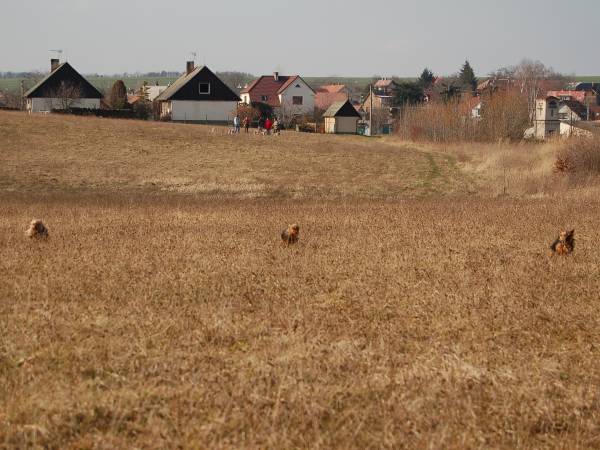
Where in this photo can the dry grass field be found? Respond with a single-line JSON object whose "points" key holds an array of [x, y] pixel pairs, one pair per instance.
{"points": [[419, 310]]}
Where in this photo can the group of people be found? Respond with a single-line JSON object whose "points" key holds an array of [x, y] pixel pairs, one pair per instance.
{"points": [[264, 123]]}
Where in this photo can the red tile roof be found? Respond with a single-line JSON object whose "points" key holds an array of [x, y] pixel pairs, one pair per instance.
{"points": [[332, 89], [578, 96], [384, 83], [324, 100]]}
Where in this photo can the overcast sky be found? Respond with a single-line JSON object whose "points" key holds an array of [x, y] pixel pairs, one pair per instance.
{"points": [[309, 37]]}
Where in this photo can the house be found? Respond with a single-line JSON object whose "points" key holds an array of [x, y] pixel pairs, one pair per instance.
{"points": [[288, 96], [380, 101], [198, 96], [385, 86], [62, 88], [583, 97], [476, 106], [546, 123], [329, 94], [493, 85], [154, 91], [341, 118], [571, 111]]}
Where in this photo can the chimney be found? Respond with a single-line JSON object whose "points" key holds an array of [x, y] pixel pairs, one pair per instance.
{"points": [[189, 67], [276, 76], [54, 64]]}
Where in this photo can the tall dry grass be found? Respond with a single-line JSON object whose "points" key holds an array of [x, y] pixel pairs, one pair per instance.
{"points": [[581, 156], [505, 116], [417, 310], [149, 322]]}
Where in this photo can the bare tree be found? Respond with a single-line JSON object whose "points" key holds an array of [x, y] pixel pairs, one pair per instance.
{"points": [[288, 113], [532, 79], [65, 96]]}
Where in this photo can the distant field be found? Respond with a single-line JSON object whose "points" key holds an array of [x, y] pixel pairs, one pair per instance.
{"points": [[419, 310]]}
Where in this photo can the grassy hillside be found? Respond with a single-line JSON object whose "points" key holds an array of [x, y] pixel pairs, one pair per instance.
{"points": [[57, 153], [419, 309]]}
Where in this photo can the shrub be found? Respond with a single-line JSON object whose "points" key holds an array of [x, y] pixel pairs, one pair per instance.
{"points": [[504, 117], [579, 156]]}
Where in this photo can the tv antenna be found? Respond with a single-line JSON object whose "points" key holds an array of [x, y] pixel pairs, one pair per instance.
{"points": [[194, 54], [58, 51]]}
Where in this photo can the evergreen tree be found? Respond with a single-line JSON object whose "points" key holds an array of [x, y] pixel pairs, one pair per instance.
{"points": [[118, 95], [427, 78], [467, 77], [408, 93]]}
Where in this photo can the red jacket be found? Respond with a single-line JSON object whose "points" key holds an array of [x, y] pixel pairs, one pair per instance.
{"points": [[268, 124]]}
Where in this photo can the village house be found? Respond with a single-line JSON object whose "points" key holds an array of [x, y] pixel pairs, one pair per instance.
{"points": [[385, 87], [583, 97], [198, 96], [571, 111], [329, 94], [341, 118], [288, 96], [62, 88]]}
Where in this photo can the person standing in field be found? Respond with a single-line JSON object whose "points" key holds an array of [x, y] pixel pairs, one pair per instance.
{"points": [[261, 123], [268, 125], [236, 124], [246, 124]]}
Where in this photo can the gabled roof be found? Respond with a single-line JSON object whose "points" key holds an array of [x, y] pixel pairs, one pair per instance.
{"points": [[574, 95], [341, 109], [186, 88], [332, 89], [324, 100], [267, 86], [384, 83], [576, 107], [63, 75]]}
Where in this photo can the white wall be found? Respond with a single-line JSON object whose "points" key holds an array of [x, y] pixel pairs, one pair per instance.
{"points": [[196, 111], [341, 125], [308, 98], [245, 98], [346, 124], [47, 104]]}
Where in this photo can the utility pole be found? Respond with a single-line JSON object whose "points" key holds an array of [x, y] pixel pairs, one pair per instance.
{"points": [[22, 99], [371, 110]]}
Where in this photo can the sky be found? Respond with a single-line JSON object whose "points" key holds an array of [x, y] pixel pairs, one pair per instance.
{"points": [[308, 37]]}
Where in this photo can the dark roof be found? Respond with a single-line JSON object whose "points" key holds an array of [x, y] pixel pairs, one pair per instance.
{"points": [[341, 109], [63, 75], [187, 87], [576, 107], [267, 86]]}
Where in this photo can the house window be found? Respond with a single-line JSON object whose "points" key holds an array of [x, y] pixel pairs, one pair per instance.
{"points": [[204, 88], [264, 98], [297, 100]]}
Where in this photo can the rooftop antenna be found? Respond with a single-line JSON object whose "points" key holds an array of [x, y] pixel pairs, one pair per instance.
{"points": [[58, 51], [194, 54]]}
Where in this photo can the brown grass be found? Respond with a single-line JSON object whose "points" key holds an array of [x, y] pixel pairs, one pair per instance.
{"points": [[178, 320], [64, 154]]}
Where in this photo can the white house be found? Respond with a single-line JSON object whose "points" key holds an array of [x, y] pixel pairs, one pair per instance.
{"points": [[199, 96], [63, 88], [286, 95]]}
